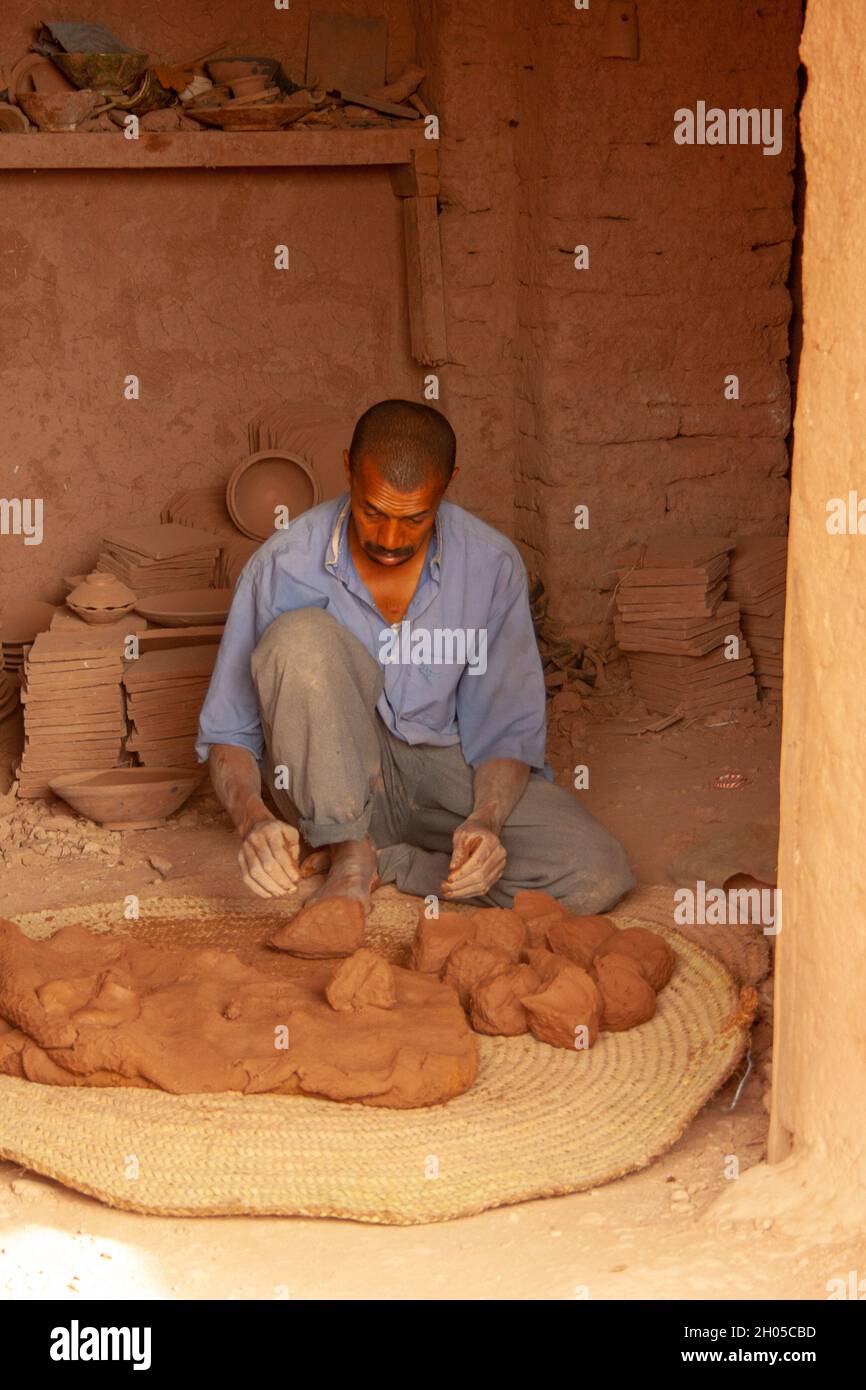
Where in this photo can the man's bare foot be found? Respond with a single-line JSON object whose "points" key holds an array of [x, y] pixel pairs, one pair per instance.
{"points": [[352, 873]]}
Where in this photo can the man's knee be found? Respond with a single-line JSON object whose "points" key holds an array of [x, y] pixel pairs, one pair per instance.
{"points": [[587, 866], [304, 637]]}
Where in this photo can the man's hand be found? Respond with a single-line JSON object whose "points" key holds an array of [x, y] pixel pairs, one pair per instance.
{"points": [[477, 861], [268, 858]]}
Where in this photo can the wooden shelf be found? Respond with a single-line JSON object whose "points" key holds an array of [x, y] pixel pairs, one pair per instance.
{"points": [[215, 149]]}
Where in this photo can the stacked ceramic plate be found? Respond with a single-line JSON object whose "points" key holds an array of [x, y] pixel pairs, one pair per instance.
{"points": [[22, 620], [8, 695]]}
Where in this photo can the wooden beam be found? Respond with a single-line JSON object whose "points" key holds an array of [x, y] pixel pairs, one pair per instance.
{"points": [[215, 149], [419, 178], [424, 280]]}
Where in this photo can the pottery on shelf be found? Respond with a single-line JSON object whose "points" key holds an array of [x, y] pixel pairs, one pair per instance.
{"points": [[22, 619], [106, 73], [60, 111], [265, 482], [12, 120], [101, 598], [256, 116], [229, 70], [128, 798]]}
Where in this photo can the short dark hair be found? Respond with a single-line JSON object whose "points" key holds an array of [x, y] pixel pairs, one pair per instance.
{"points": [[410, 442]]}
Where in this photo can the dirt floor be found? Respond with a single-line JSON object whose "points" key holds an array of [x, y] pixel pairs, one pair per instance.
{"points": [[650, 1235]]}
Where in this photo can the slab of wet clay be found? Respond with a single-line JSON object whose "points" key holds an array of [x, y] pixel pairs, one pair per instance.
{"points": [[328, 927], [87, 1010]]}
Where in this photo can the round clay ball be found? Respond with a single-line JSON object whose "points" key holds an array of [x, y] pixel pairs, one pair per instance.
{"points": [[651, 951], [627, 997]]}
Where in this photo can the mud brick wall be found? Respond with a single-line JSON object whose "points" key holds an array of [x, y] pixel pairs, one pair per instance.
{"points": [[621, 396]]}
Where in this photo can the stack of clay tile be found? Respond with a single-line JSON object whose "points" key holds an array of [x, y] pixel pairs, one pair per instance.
{"points": [[164, 693], [756, 581], [674, 622], [158, 558], [73, 707], [205, 508]]}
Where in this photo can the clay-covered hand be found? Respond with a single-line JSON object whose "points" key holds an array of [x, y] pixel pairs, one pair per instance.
{"points": [[268, 858], [477, 861]]}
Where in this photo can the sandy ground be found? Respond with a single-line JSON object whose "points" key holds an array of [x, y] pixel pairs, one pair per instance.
{"points": [[651, 1235]]}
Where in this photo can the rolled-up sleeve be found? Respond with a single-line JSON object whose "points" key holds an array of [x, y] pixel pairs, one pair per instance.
{"points": [[501, 710], [230, 713]]}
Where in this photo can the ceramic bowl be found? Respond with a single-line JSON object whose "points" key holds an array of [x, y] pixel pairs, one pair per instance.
{"points": [[103, 72], [262, 483], [128, 798], [59, 111], [186, 607]]}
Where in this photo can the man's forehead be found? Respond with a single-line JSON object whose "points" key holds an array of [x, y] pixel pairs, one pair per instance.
{"points": [[379, 493]]}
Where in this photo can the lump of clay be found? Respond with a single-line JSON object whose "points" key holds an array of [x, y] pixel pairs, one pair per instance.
{"points": [[579, 938], [499, 929], [328, 927], [570, 1001], [539, 912], [627, 997], [364, 980], [545, 964], [650, 950], [436, 938], [496, 1005], [469, 965], [528, 904]]}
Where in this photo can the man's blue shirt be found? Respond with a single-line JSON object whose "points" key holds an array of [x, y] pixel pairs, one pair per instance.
{"points": [[473, 582]]}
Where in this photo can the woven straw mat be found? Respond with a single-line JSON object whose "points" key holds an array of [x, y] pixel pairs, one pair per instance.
{"points": [[539, 1121]]}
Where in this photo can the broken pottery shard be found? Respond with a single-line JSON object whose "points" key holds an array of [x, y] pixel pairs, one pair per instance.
{"points": [[567, 1011], [328, 927], [496, 1004], [627, 996], [364, 980], [86, 1009], [579, 938], [469, 965], [499, 929], [650, 950], [436, 938]]}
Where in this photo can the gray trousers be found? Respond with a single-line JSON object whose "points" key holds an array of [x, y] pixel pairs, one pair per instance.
{"points": [[346, 776]]}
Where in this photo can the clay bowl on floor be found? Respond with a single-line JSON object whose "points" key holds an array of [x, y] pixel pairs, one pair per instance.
{"points": [[262, 483], [59, 111], [186, 607], [110, 73], [128, 798]]}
